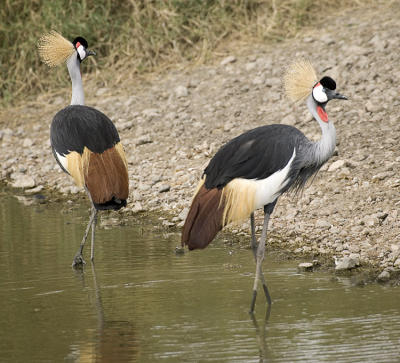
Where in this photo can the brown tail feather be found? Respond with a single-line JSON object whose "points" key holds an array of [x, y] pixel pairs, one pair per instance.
{"points": [[107, 176], [204, 219]]}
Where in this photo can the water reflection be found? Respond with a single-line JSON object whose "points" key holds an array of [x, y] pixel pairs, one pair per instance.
{"points": [[114, 340], [261, 334]]}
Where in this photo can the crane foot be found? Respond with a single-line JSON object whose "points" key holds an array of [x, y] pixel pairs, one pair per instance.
{"points": [[78, 261]]}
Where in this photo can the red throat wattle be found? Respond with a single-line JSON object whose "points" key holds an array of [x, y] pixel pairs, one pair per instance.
{"points": [[322, 114]]}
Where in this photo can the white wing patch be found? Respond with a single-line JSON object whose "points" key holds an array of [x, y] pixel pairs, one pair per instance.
{"points": [[267, 190], [63, 160]]}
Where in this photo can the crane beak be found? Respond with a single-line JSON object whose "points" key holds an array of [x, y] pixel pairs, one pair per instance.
{"points": [[339, 96], [90, 52], [332, 95]]}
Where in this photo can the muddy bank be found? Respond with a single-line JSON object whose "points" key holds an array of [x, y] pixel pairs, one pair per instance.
{"points": [[173, 123]]}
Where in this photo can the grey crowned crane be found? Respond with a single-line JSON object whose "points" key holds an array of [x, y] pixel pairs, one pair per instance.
{"points": [[84, 141], [252, 170]]}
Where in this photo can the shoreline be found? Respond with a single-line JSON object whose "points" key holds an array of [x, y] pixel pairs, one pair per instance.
{"points": [[363, 274]]}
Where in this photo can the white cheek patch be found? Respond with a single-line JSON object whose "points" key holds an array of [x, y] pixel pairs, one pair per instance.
{"points": [[81, 51], [319, 94]]}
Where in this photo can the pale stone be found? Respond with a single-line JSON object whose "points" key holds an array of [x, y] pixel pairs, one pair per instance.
{"points": [[383, 276], [227, 60], [305, 266], [345, 263], [24, 181], [337, 165], [181, 91]]}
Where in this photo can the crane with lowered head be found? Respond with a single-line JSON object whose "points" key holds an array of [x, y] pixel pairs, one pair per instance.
{"points": [[252, 170], [84, 141]]}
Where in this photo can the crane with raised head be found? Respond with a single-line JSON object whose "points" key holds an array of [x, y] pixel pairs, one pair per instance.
{"points": [[84, 141], [252, 170]]}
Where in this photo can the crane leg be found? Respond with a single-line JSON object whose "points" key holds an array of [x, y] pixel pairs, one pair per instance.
{"points": [[254, 248], [93, 234], [259, 252], [78, 259]]}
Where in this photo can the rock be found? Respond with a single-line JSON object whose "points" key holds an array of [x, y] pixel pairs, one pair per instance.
{"points": [[183, 214], [164, 188], [124, 125], [373, 107], [227, 60], [7, 132], [38, 189], [334, 230], [337, 165], [181, 91], [250, 66], [101, 91], [274, 82], [58, 101], [167, 223], [383, 276], [377, 43], [327, 39], [308, 40], [382, 176], [24, 181], [150, 113], [144, 139], [27, 142], [305, 266], [228, 126], [355, 257], [345, 263], [136, 196], [193, 83], [394, 247], [289, 120], [137, 207], [156, 179], [258, 80], [144, 187], [397, 263], [370, 221], [322, 224]]}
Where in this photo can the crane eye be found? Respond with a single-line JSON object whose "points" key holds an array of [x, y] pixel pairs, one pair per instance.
{"points": [[319, 94]]}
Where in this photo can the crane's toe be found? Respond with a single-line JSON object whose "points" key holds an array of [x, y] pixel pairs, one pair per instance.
{"points": [[78, 261]]}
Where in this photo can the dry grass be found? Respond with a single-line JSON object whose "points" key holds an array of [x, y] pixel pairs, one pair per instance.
{"points": [[139, 35]]}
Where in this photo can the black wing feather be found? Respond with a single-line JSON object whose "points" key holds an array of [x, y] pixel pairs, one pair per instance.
{"points": [[256, 154], [77, 126]]}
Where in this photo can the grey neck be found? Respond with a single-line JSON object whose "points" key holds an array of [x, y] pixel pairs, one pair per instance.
{"points": [[324, 148], [73, 65]]}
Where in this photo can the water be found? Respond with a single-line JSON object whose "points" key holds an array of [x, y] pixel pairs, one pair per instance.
{"points": [[143, 303]]}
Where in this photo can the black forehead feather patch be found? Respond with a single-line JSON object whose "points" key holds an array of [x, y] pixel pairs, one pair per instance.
{"points": [[80, 40], [328, 82]]}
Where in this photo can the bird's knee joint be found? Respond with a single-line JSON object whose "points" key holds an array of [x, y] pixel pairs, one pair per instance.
{"points": [[260, 256]]}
